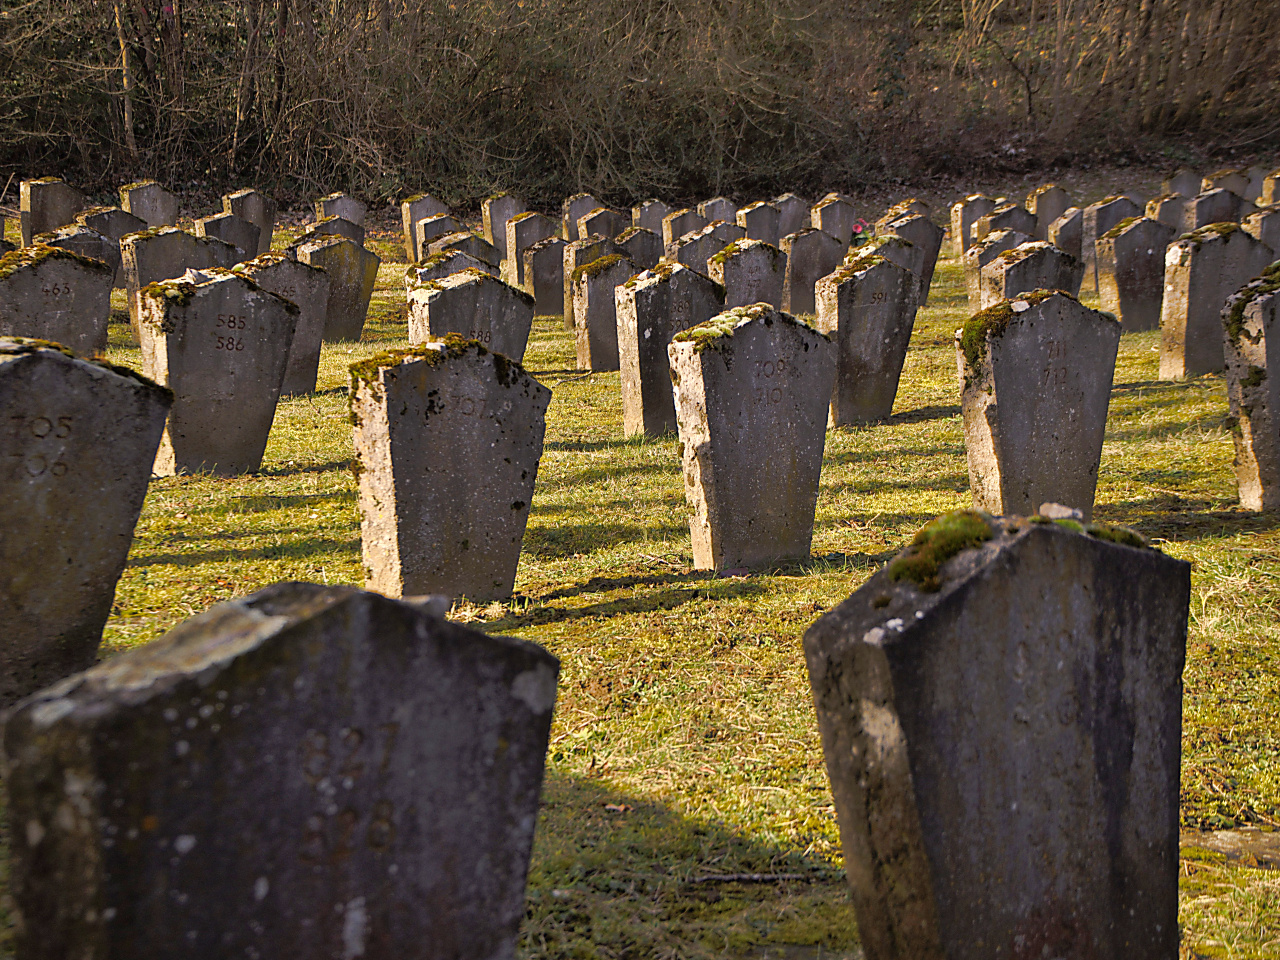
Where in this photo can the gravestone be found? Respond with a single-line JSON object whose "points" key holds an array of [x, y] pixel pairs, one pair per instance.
{"points": [[420, 206], [1213, 206], [474, 306], [495, 213], [760, 220], [926, 237], [982, 253], [1168, 209], [448, 437], [1264, 224], [903, 208], [307, 287], [523, 231], [696, 249], [258, 209], [964, 214], [718, 208], [594, 310], [1131, 271], [1006, 216], [149, 201], [442, 265], [432, 228], [676, 225], [1047, 204], [330, 227], [1037, 265], [1249, 345], [237, 231], [309, 771], [1257, 180], [1098, 219], [751, 271], [1236, 181], [112, 222], [1000, 710], [78, 444], [651, 308], [834, 216], [649, 215], [643, 247], [1036, 378], [52, 294], [793, 214], [602, 222], [467, 242], [1201, 270], [579, 254], [891, 247], [352, 271], [47, 204], [544, 276], [1067, 233], [163, 253], [574, 208], [811, 255], [1270, 189], [752, 387], [221, 344], [87, 242], [868, 309], [1186, 182], [341, 205]]}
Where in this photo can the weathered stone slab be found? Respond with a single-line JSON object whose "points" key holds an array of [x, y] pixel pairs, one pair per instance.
{"points": [[891, 247], [760, 220], [1257, 175], [237, 231], [1237, 181], [1184, 181], [148, 200], [1201, 270], [1264, 224], [651, 308], [474, 306], [49, 293], [330, 227], [1131, 271], [649, 215], [603, 222], [352, 271], [307, 287], [696, 249], [579, 254], [87, 242], [309, 771], [1213, 206], [442, 265], [1250, 346], [1037, 265], [467, 242], [1000, 710], [47, 204], [1006, 216], [544, 276], [420, 206], [111, 222], [911, 207], [794, 214], [675, 225], [981, 254], [432, 228], [163, 253], [964, 214], [643, 247], [1047, 203], [1036, 378], [751, 271], [926, 238], [523, 231], [77, 447], [1098, 219], [341, 205], [1168, 209], [258, 209], [495, 213], [752, 387], [811, 255], [594, 310], [868, 309], [221, 344], [1270, 189], [834, 215], [718, 208], [574, 208]]}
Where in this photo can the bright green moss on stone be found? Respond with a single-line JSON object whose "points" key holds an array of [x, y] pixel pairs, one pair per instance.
{"points": [[1120, 227], [38, 253], [596, 267], [938, 542], [1267, 284], [993, 321]]}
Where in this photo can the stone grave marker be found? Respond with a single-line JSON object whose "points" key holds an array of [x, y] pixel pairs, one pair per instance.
{"points": [[1201, 270], [751, 271], [87, 242], [1184, 181], [467, 242], [1036, 377], [1131, 271], [306, 287], [594, 310], [760, 220], [649, 215], [964, 214], [574, 208], [309, 771], [258, 209], [1270, 189], [868, 309], [811, 255], [1237, 181], [793, 214], [834, 216], [544, 276], [1264, 224], [676, 225], [579, 254], [440, 266], [148, 200], [752, 387], [474, 306], [1037, 265], [523, 231], [1047, 203], [901, 209], [696, 249], [111, 222], [53, 294], [718, 208], [1168, 209], [1213, 206], [221, 344], [237, 231], [602, 222], [1257, 180], [448, 437], [926, 238], [330, 227], [1251, 340], [352, 271], [982, 253], [78, 444], [1000, 710], [1067, 233], [1098, 219], [47, 204], [420, 206], [495, 213], [643, 247], [891, 247], [432, 228], [1006, 216], [163, 253], [652, 307], [341, 205]]}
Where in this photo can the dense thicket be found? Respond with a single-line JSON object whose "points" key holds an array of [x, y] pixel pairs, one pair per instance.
{"points": [[622, 97]]}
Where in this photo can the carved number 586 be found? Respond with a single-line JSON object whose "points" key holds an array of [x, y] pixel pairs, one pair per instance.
{"points": [[231, 343]]}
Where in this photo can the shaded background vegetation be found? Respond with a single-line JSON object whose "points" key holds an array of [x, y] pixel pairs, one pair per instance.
{"points": [[627, 98]]}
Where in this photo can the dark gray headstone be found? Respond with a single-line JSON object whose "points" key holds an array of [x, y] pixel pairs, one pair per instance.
{"points": [[578, 254], [441, 265], [718, 208], [751, 271], [982, 253], [1237, 181], [544, 276], [47, 204], [793, 214], [164, 253], [760, 220], [1264, 225], [1168, 209], [571, 209], [475, 306], [834, 215], [926, 237], [1006, 216], [594, 310], [1184, 181], [420, 206], [87, 242], [1067, 233], [353, 271], [467, 242], [341, 205], [649, 215], [643, 247], [603, 222], [149, 201], [1131, 271], [523, 231], [258, 209], [1047, 204], [811, 255], [1213, 206], [1098, 219], [679, 222], [48, 293], [308, 288], [431, 228], [1036, 265], [964, 214], [237, 231]]}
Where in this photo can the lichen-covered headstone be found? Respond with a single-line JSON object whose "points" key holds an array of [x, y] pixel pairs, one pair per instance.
{"points": [[328, 227], [834, 215], [431, 228], [1098, 219], [982, 253], [258, 209], [237, 231], [1184, 181], [1168, 209], [48, 293], [1213, 206], [810, 256], [87, 242], [964, 214], [793, 214], [420, 206], [352, 270], [643, 247], [595, 310], [1264, 225], [1035, 378], [47, 204], [1037, 265], [651, 308], [602, 222], [578, 254], [495, 212], [77, 448], [571, 210], [1131, 271], [1006, 216], [1201, 270], [544, 276], [1250, 345], [309, 771], [1000, 710], [163, 253], [1236, 181], [148, 200], [1067, 233], [308, 288], [751, 271], [467, 242], [912, 207], [649, 215], [760, 220], [341, 205], [752, 388], [474, 306], [441, 265], [718, 208], [1047, 203], [448, 438], [696, 249], [926, 238], [679, 222], [523, 231]]}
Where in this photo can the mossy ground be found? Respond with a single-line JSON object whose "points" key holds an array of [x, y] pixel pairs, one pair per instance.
{"points": [[684, 744]]}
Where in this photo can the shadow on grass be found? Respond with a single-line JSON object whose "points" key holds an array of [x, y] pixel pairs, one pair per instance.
{"points": [[644, 603], [265, 503], [1171, 517], [572, 539], [924, 414], [617, 443], [285, 471], [297, 549], [885, 454]]}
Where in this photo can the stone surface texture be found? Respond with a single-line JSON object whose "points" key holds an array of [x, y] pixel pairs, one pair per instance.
{"points": [[1098, 219], [1131, 271], [48, 293], [306, 287], [1251, 345], [811, 255], [1037, 265], [475, 306], [751, 271], [964, 214], [352, 270]]}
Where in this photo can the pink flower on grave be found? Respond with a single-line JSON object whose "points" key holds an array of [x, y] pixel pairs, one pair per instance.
{"points": [[860, 232]]}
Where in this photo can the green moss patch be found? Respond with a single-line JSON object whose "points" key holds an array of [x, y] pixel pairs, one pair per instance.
{"points": [[1265, 285], [1117, 534], [596, 267], [1120, 228], [36, 254], [451, 346], [993, 321], [938, 542]]}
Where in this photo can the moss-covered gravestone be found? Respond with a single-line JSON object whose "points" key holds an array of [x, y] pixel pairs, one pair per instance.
{"points": [[1047, 203], [578, 254], [86, 242], [523, 230], [1235, 180], [1001, 716], [752, 387], [495, 213], [760, 220], [148, 200], [696, 249], [834, 215], [1067, 232], [309, 771], [1213, 206], [810, 255], [77, 448], [642, 247], [648, 215], [911, 207], [603, 222], [595, 310], [448, 437], [652, 307], [163, 253], [308, 288], [794, 214], [1098, 219], [1264, 225], [868, 309], [467, 242], [341, 205], [926, 239], [475, 306], [1167, 209], [544, 276], [751, 271], [442, 265], [47, 204], [420, 206], [328, 227], [718, 208], [240, 233], [258, 209], [571, 209], [1036, 377], [1201, 270], [431, 228], [1131, 271], [1036, 265], [48, 293], [964, 214], [352, 270], [982, 253], [221, 344], [1006, 216], [1250, 345], [679, 222]]}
